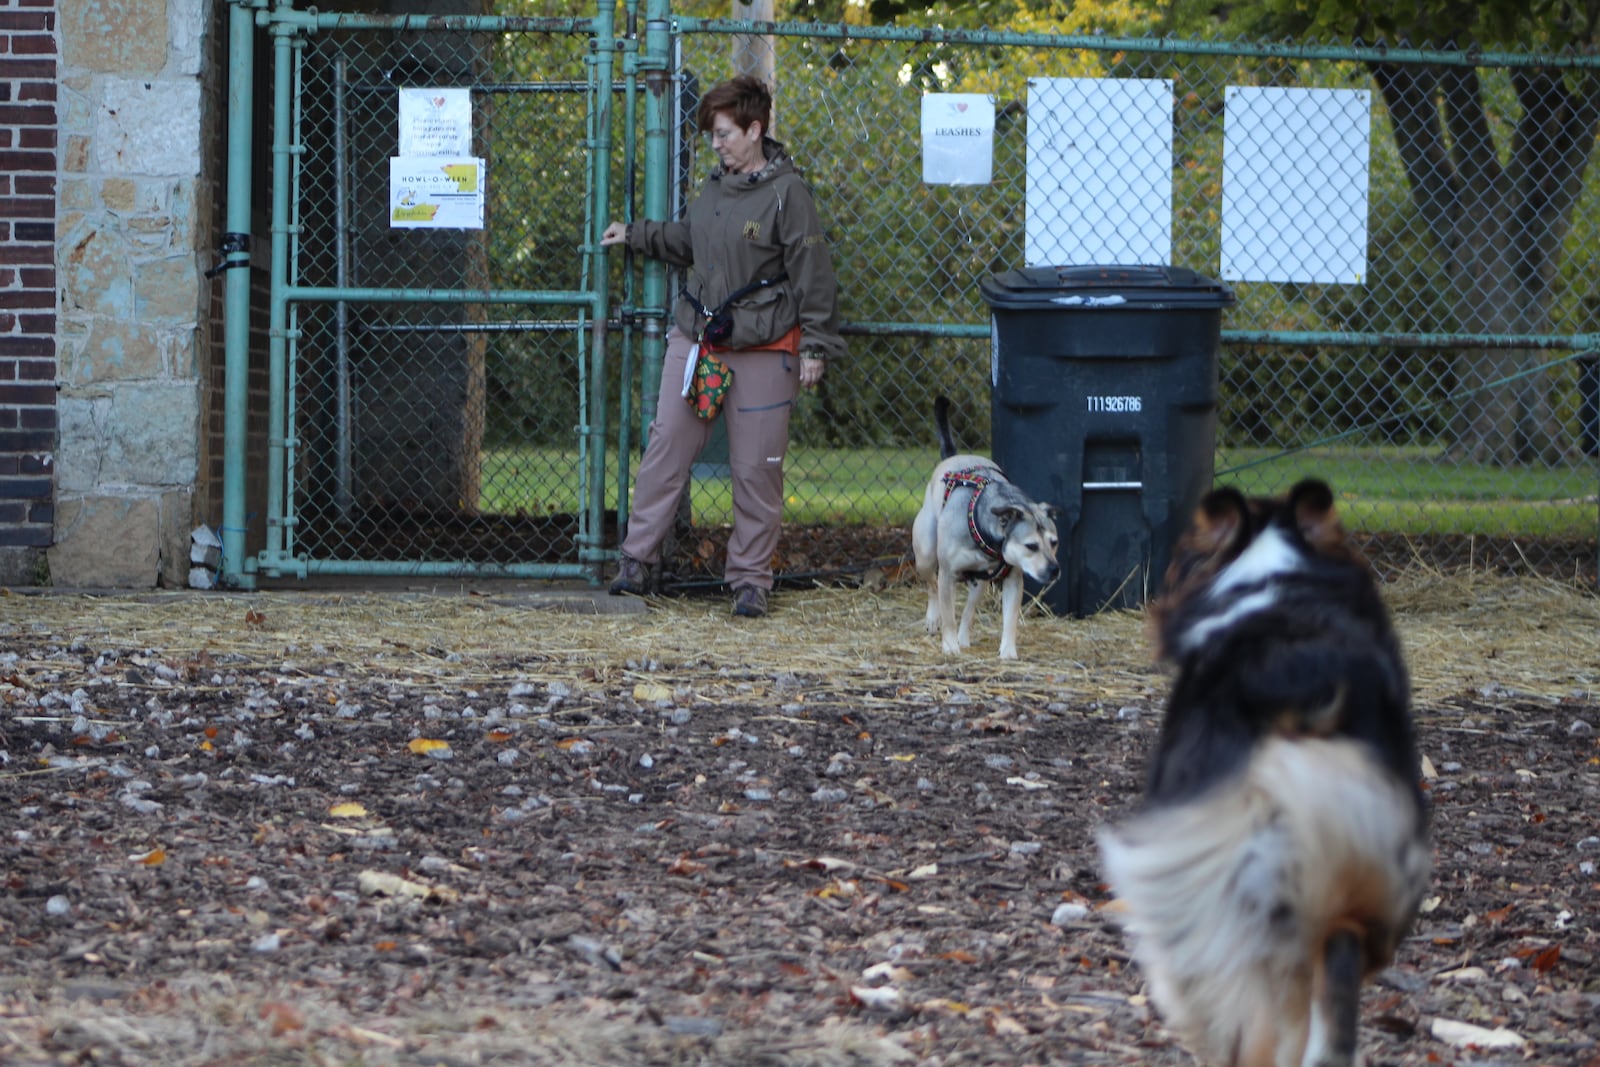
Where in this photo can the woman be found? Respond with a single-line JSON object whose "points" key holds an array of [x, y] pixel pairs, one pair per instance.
{"points": [[753, 228]]}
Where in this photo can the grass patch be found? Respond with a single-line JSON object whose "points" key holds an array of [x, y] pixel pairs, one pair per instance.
{"points": [[1394, 490], [1414, 491]]}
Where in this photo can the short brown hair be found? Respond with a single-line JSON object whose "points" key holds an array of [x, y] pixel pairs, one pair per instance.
{"points": [[746, 99]]}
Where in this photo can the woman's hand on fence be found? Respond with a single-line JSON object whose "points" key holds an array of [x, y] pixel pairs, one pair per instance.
{"points": [[615, 234]]}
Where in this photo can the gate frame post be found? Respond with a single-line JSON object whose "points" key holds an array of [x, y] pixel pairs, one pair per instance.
{"points": [[236, 290]]}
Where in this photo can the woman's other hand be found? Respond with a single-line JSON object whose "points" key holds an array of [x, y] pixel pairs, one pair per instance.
{"points": [[615, 234], [811, 371]]}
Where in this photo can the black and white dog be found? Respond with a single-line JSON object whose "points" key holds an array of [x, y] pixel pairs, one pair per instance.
{"points": [[1283, 847], [977, 527]]}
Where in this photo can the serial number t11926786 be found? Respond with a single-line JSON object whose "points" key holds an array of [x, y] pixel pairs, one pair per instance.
{"points": [[1115, 404]]}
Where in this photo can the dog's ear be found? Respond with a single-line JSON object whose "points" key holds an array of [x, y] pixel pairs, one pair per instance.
{"points": [[1311, 504], [1006, 514], [1219, 530], [1221, 523]]}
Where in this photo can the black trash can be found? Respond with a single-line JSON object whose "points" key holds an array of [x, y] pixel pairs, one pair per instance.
{"points": [[1104, 403]]}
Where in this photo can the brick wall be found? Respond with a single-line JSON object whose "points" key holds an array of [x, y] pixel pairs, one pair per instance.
{"points": [[28, 135]]}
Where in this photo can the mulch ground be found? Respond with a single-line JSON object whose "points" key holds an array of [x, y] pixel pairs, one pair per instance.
{"points": [[352, 829]]}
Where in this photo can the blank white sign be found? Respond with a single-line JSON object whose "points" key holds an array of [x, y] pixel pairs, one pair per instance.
{"points": [[1294, 185], [1099, 171]]}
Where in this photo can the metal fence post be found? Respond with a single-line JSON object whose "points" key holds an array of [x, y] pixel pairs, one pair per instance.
{"points": [[660, 109], [236, 290], [591, 536]]}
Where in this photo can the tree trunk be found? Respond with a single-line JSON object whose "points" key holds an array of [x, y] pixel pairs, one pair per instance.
{"points": [[754, 53], [1498, 231]]}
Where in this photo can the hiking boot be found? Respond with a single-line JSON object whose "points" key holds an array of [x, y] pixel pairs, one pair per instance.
{"points": [[633, 577], [750, 601]]}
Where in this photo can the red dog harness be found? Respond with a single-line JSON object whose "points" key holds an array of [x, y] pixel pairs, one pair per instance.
{"points": [[973, 479]]}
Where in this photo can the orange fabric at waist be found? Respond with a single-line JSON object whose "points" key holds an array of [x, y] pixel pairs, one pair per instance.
{"points": [[789, 342]]}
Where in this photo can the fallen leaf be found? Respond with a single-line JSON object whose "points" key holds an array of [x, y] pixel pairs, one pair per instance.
{"points": [[1004, 1025], [348, 810], [1547, 959], [685, 866], [372, 1037], [382, 883], [423, 745], [1427, 769], [282, 1017], [1466, 1035], [498, 736], [837, 888], [955, 1007], [154, 858], [648, 693], [1465, 974], [876, 998]]}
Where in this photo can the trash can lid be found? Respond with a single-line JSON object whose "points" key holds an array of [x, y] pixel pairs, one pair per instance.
{"points": [[1091, 286]]}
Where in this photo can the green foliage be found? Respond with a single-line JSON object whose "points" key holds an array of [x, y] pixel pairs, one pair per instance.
{"points": [[1553, 24]]}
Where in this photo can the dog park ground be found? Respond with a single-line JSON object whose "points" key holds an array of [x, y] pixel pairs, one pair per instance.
{"points": [[461, 828]]}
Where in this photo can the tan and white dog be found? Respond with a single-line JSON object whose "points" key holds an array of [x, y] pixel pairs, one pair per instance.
{"points": [[977, 527]]}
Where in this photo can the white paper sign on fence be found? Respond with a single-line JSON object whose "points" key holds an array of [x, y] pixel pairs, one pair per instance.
{"points": [[1099, 171], [435, 122], [957, 139], [436, 192], [1294, 185]]}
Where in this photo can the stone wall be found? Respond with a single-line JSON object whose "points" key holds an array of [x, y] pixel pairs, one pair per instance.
{"points": [[130, 254]]}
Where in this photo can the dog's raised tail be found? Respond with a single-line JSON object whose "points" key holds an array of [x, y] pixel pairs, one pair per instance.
{"points": [[941, 419], [1274, 893]]}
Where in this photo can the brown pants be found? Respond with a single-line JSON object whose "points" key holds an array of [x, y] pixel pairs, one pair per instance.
{"points": [[757, 409]]}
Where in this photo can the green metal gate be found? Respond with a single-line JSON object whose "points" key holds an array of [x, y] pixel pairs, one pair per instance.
{"points": [[438, 396]]}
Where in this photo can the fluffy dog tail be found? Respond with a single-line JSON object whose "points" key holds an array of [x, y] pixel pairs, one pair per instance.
{"points": [[1257, 910], [941, 419]]}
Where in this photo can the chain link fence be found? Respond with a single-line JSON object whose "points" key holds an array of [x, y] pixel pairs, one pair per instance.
{"points": [[1438, 389], [1444, 391]]}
